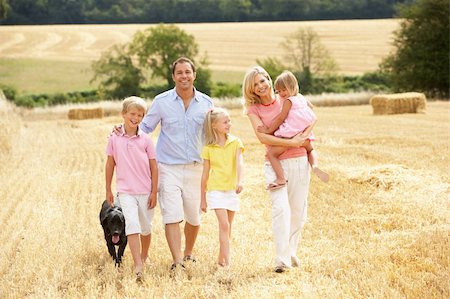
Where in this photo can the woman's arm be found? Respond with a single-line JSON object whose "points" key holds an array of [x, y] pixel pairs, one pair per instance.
{"points": [[295, 141]]}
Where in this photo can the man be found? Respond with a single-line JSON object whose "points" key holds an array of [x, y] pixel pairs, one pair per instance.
{"points": [[181, 112]]}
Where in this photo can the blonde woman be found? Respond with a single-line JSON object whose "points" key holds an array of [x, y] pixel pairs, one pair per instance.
{"points": [[222, 176], [289, 203]]}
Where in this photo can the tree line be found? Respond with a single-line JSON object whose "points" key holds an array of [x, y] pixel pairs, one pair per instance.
{"points": [[15, 12]]}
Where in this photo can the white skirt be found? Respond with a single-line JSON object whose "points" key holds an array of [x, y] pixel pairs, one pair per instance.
{"points": [[228, 200]]}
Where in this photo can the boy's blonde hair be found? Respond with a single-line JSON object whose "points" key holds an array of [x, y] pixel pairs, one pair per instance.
{"points": [[133, 102], [211, 117], [248, 86], [286, 80]]}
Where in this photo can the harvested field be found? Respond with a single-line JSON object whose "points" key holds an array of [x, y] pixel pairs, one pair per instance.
{"points": [[357, 45], [379, 229]]}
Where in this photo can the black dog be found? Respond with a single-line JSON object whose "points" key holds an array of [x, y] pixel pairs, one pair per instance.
{"points": [[113, 223]]}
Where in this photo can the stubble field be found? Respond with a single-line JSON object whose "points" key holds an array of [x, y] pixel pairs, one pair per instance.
{"points": [[57, 58], [379, 229]]}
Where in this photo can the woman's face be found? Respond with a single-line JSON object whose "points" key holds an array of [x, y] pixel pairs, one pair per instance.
{"points": [[262, 86]]}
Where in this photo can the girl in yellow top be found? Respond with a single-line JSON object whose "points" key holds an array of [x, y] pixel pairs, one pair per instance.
{"points": [[222, 175]]}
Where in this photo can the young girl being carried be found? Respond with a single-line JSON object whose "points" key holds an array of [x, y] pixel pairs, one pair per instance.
{"points": [[296, 116], [222, 176]]}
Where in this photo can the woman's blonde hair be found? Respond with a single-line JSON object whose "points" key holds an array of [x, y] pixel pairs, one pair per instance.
{"points": [[286, 80], [248, 86], [133, 102], [212, 116]]}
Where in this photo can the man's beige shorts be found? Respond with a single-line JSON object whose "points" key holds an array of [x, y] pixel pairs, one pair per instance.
{"points": [[179, 192]]}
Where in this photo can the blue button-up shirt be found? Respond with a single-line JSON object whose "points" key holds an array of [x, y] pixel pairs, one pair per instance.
{"points": [[182, 135]]}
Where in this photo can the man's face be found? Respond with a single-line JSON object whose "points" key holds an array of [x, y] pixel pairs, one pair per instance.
{"points": [[183, 76]]}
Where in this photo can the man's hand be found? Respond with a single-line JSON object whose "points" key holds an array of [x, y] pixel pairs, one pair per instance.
{"points": [[117, 129], [203, 206]]}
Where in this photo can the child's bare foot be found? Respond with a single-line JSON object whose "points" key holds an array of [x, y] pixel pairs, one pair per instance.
{"points": [[322, 175]]}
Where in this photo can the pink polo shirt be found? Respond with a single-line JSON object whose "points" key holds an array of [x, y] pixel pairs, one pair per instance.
{"points": [[131, 155], [267, 114]]}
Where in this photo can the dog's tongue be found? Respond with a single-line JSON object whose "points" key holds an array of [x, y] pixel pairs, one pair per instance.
{"points": [[115, 239]]}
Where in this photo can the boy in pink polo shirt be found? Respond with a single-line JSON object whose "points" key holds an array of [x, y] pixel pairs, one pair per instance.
{"points": [[132, 153]]}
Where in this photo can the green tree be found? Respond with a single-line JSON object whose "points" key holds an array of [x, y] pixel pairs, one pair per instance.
{"points": [[159, 46], [3, 9], [152, 51], [235, 10], [305, 53], [272, 65], [117, 75], [421, 60]]}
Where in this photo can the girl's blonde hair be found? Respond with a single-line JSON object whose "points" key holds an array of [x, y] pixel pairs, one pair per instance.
{"points": [[286, 80], [133, 102], [248, 86], [212, 116]]}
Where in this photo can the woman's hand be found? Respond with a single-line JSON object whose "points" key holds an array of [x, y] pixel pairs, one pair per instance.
{"points": [[299, 139], [262, 129]]}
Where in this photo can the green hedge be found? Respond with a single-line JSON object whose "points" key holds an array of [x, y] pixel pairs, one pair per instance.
{"points": [[308, 85]]}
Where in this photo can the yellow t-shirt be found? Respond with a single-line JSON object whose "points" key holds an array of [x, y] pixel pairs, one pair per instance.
{"points": [[222, 176]]}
